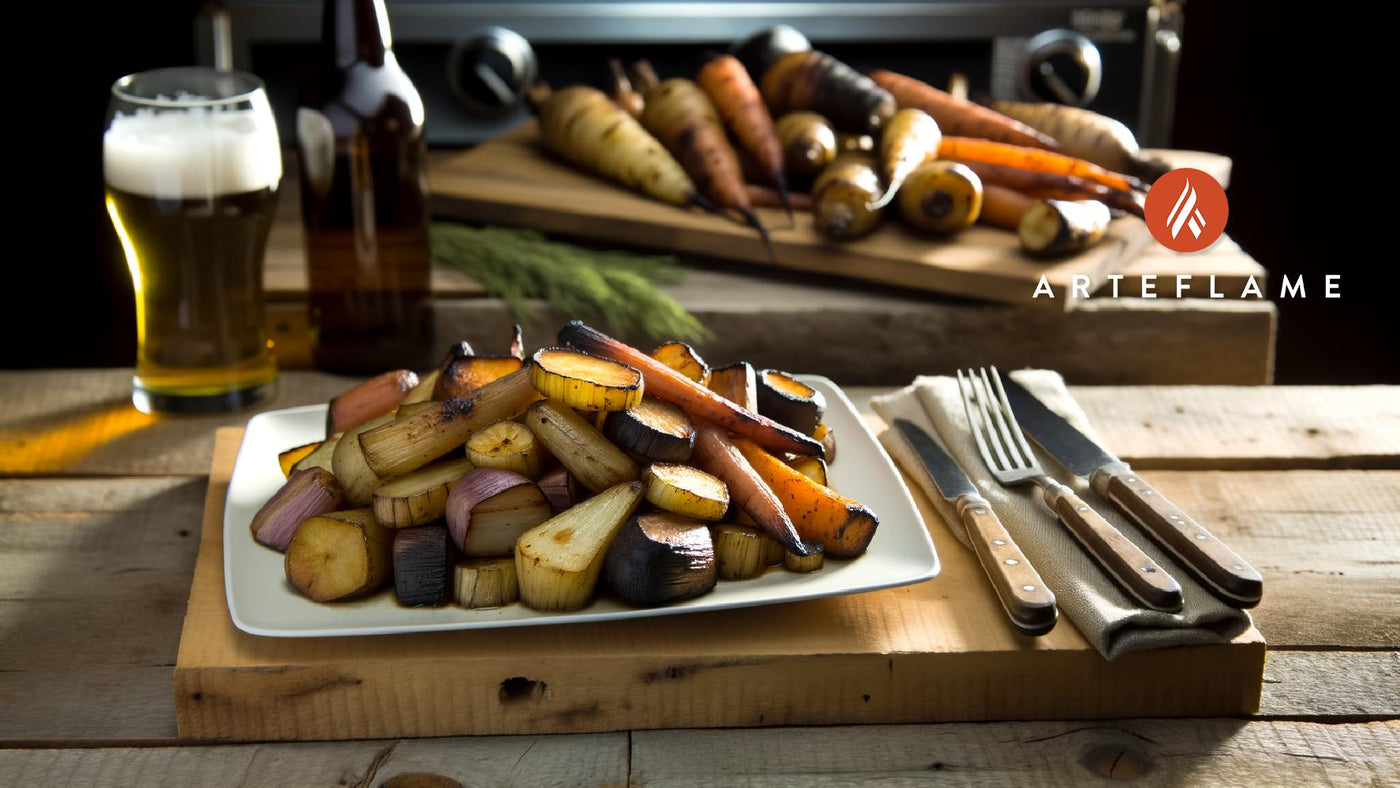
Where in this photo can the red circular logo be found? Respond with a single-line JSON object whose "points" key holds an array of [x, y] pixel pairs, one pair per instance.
{"points": [[1186, 210]]}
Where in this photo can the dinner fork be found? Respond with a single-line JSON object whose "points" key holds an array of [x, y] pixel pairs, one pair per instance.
{"points": [[1008, 456]]}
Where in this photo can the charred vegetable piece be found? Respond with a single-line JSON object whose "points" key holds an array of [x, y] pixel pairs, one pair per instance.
{"points": [[787, 400], [818, 82], [844, 197], [420, 497], [809, 143], [350, 467], [486, 582], [422, 561], [371, 399], [956, 116], [683, 359], [716, 453], [508, 446], [697, 401], [489, 509], [843, 526], [741, 552], [306, 494], [910, 139], [589, 456], [289, 458], [660, 558], [561, 489], [737, 383], [465, 375], [810, 562], [341, 555], [585, 382], [941, 197], [687, 491], [1054, 227], [558, 562], [654, 431]]}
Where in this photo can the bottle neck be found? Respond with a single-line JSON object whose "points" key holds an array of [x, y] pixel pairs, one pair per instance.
{"points": [[354, 31]]}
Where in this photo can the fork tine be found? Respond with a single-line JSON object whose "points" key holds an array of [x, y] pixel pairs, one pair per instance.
{"points": [[995, 409], [977, 427], [1011, 417]]}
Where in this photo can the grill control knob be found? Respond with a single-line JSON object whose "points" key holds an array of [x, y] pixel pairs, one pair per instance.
{"points": [[1061, 66], [490, 71]]}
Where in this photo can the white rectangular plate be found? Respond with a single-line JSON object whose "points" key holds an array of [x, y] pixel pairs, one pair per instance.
{"points": [[263, 603]]}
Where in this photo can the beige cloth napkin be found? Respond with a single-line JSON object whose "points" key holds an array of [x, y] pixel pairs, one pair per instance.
{"points": [[1105, 615]]}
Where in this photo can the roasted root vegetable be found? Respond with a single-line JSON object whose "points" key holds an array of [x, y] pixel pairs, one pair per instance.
{"points": [[686, 491], [654, 431], [561, 489], [808, 141], [844, 197], [759, 51], [621, 91], [827, 436], [409, 408], [941, 197], [816, 81], [1054, 227], [320, 457], [967, 149], [582, 125], [461, 375], [307, 493], [810, 562], [508, 446], [589, 456], [683, 359], [486, 582], [843, 526], [420, 497], [1054, 185], [813, 468], [697, 401], [660, 558], [340, 555], [787, 400], [489, 509], [422, 565], [289, 458], [716, 453], [1088, 135], [910, 139], [348, 463], [585, 382], [959, 117], [410, 443], [558, 561], [737, 383], [1003, 207], [741, 552], [371, 399], [735, 96]]}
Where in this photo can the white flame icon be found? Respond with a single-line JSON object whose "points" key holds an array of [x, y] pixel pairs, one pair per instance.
{"points": [[1185, 212]]}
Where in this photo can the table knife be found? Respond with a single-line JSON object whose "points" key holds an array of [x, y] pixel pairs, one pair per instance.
{"points": [[1028, 603], [1222, 570]]}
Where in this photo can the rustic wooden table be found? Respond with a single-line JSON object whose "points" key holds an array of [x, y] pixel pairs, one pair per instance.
{"points": [[99, 515]]}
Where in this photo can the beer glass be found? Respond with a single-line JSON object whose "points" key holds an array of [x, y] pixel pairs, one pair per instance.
{"points": [[192, 164]]}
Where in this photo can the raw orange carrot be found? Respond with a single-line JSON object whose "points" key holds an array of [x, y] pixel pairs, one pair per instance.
{"points": [[741, 107], [967, 149], [959, 117], [1003, 207], [1055, 185]]}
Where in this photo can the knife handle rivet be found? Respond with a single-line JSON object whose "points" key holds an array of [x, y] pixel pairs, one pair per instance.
{"points": [[1027, 588], [979, 510], [1149, 569], [1146, 493], [1175, 519], [1237, 567], [1082, 508], [1201, 537], [998, 542], [1011, 562], [1131, 480]]}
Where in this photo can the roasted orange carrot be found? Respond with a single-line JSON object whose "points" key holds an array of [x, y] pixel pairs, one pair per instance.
{"points": [[967, 149], [717, 454], [679, 114], [741, 107], [621, 91], [818, 82], [1003, 207], [954, 116], [1055, 185]]}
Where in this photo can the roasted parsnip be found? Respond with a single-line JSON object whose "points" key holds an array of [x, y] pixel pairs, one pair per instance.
{"points": [[687, 491], [558, 562], [582, 449], [506, 445], [341, 555], [420, 497]]}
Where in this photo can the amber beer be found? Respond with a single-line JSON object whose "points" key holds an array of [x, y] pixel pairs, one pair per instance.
{"points": [[191, 188], [364, 198]]}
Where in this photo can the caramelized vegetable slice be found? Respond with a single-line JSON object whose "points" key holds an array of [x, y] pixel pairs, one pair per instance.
{"points": [[737, 383], [558, 562], [506, 445], [585, 382], [463, 376], [843, 526], [787, 400], [420, 497], [686, 490], [341, 555], [683, 359], [291, 457], [486, 582], [654, 431], [741, 552], [659, 558]]}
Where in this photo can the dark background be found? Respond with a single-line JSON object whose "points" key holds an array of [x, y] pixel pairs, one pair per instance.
{"points": [[1295, 99]]}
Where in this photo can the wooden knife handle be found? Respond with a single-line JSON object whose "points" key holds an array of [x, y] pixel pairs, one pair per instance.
{"points": [[1230, 576], [1139, 575], [1028, 603]]}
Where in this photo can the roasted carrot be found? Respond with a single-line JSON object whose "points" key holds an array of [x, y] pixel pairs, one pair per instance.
{"points": [[910, 139], [680, 115], [816, 81], [582, 125], [1057, 186], [767, 197], [717, 454], [967, 149], [620, 87], [1003, 207], [1087, 134], [741, 107], [962, 118]]}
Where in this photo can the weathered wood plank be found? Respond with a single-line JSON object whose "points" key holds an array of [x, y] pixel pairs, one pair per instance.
{"points": [[1150, 752], [581, 759], [1332, 684]]}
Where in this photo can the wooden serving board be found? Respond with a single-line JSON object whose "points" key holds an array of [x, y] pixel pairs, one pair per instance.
{"points": [[937, 651], [510, 180]]}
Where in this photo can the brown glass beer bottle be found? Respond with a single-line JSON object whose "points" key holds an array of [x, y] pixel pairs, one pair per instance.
{"points": [[364, 198]]}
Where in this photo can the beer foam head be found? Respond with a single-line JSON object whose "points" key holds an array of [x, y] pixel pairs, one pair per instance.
{"points": [[191, 153]]}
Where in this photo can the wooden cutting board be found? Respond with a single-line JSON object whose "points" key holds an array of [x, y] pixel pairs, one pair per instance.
{"points": [[511, 181], [937, 651]]}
